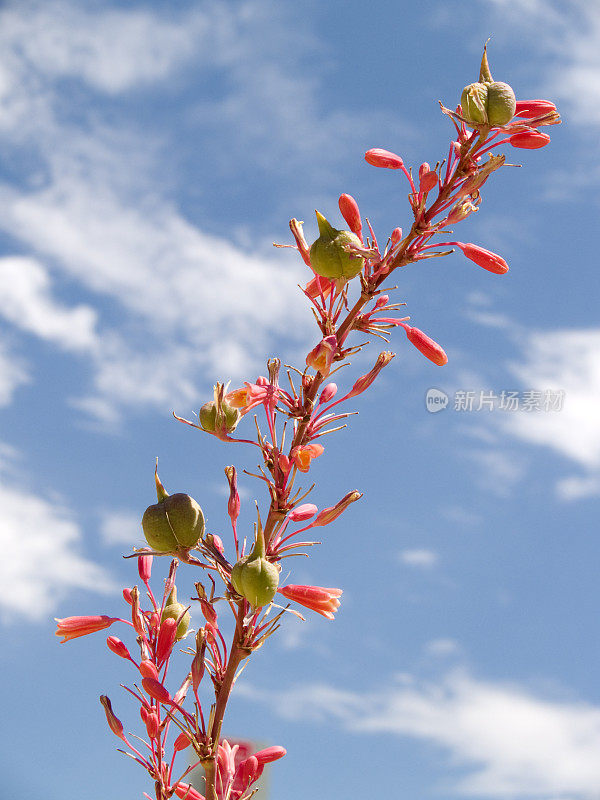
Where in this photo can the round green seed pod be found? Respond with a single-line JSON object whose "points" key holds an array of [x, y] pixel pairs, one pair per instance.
{"points": [[473, 102], [177, 521], [208, 417], [256, 579], [501, 103], [174, 611], [328, 257]]}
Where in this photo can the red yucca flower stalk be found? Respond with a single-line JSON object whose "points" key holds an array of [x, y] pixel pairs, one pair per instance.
{"points": [[282, 421]]}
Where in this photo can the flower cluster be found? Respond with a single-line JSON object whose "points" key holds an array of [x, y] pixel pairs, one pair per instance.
{"points": [[292, 414]]}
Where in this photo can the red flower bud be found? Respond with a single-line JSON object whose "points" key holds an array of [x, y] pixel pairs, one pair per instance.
{"points": [[349, 208], [484, 258], [383, 158], [148, 669], [428, 181], [156, 690], [117, 647], [530, 140], [114, 723], [534, 108], [425, 345]]}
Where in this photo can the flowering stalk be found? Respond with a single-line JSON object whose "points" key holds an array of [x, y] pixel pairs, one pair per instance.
{"points": [[488, 118]]}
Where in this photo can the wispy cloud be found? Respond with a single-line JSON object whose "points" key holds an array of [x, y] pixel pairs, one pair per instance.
{"points": [[121, 527], [41, 562], [13, 373], [509, 741], [424, 559]]}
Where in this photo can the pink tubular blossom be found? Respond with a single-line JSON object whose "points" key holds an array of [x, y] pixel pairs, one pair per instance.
{"points": [[73, 627], [350, 212], [484, 258], [534, 108], [127, 596], [317, 598], [426, 345], [304, 454], [383, 158], [302, 513], [363, 383], [529, 140], [328, 393], [148, 669]]}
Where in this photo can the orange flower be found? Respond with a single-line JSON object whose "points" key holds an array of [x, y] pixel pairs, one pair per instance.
{"points": [[303, 455], [318, 598], [73, 627]]}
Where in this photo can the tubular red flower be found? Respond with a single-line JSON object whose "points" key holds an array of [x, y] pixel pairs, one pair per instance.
{"points": [[350, 212], [185, 791], [269, 754], [148, 669], [426, 345], [303, 512], [317, 598], [145, 567], [529, 140], [166, 639], [73, 627], [484, 258], [156, 690], [383, 158]]}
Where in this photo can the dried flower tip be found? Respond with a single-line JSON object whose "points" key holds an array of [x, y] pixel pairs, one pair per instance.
{"points": [[529, 140], [114, 723], [350, 212], [328, 515], [383, 158], [484, 258], [218, 416], [74, 627], [425, 345], [317, 598], [363, 383], [234, 503]]}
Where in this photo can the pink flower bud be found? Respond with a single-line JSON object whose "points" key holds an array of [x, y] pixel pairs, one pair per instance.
{"points": [[425, 345], [156, 690], [197, 669], [181, 742], [117, 647], [383, 158], [428, 181], [349, 208], [328, 515], [148, 669], [114, 723], [302, 513], [396, 236], [484, 258], [270, 754], [167, 635], [145, 567], [234, 503], [534, 108], [328, 393], [127, 596], [152, 725], [247, 771], [209, 613], [530, 140]]}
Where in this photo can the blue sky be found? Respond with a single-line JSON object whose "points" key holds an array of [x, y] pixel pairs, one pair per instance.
{"points": [[151, 153]]}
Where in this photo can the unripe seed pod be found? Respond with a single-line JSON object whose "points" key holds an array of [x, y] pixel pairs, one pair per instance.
{"points": [[472, 101], [254, 577], [175, 521], [501, 103], [488, 102], [328, 258], [174, 610], [208, 417]]}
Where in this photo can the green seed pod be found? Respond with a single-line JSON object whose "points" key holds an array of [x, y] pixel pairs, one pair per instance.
{"points": [[328, 257], [473, 102], [174, 610], [501, 103], [209, 417], [175, 521], [254, 577]]}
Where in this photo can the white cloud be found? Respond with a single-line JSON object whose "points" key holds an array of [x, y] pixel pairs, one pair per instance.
{"points": [[442, 647], [509, 741], [419, 558], [497, 470], [569, 361], [13, 373], [121, 527], [40, 564], [26, 301]]}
